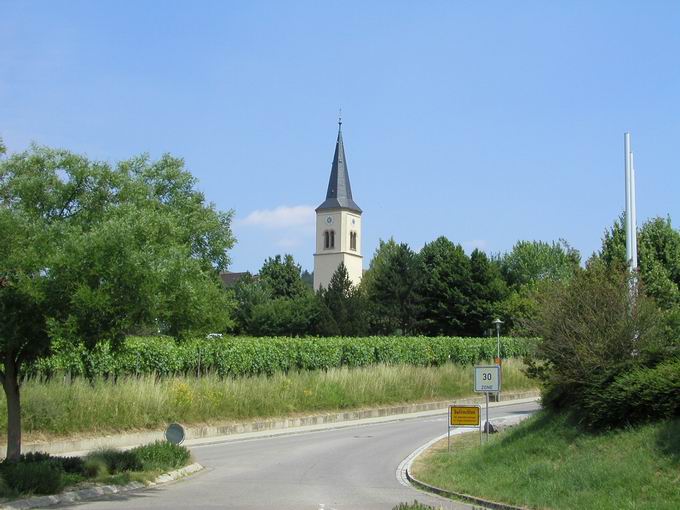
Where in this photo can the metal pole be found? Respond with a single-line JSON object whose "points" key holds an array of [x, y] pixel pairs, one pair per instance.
{"points": [[487, 416], [633, 216], [629, 244], [498, 340]]}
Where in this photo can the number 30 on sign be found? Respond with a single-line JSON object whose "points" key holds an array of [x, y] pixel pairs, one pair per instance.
{"points": [[488, 379]]}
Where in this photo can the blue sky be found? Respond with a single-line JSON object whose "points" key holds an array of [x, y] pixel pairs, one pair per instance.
{"points": [[486, 122]]}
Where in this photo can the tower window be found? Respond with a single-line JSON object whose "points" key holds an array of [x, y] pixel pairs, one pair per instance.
{"points": [[353, 241], [329, 239]]}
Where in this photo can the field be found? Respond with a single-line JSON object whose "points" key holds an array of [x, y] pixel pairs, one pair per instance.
{"points": [[547, 462], [62, 407]]}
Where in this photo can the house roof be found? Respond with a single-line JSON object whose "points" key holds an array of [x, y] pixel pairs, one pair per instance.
{"points": [[339, 194], [229, 279]]}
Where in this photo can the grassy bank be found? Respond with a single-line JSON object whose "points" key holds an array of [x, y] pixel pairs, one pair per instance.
{"points": [[59, 408], [549, 463]]}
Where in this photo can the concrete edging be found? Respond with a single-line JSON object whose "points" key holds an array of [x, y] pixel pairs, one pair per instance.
{"points": [[200, 434], [98, 491]]}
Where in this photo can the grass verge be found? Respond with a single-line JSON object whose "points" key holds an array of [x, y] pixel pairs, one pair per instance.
{"points": [[547, 462], [56, 408]]}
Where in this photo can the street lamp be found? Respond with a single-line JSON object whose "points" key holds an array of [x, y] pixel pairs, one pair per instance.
{"points": [[498, 323]]}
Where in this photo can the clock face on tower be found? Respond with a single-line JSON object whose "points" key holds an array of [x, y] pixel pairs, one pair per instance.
{"points": [[329, 219]]}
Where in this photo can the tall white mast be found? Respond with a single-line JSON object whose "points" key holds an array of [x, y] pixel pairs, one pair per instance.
{"points": [[631, 216]]}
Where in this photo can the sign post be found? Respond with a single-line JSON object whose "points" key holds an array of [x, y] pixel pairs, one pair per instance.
{"points": [[464, 416], [487, 380]]}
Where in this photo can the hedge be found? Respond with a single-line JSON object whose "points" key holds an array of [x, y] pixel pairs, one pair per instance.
{"points": [[641, 395], [247, 356]]}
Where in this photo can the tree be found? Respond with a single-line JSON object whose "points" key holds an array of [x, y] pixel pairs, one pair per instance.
{"points": [[345, 303], [445, 288], [531, 261], [298, 316], [487, 291], [531, 268], [391, 288], [91, 252], [589, 335], [248, 293], [282, 277], [658, 253]]}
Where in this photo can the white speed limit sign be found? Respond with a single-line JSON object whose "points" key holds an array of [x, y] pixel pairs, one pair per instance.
{"points": [[488, 379]]}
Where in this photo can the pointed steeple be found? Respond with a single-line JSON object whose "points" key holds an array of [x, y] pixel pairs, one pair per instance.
{"points": [[339, 194]]}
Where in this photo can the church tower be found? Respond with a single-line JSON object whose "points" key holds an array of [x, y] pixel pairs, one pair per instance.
{"points": [[338, 225]]}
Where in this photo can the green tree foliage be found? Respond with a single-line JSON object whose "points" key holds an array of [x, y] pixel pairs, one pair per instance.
{"points": [[658, 254], [282, 277], [391, 288], [591, 334], [531, 261], [91, 251], [279, 302], [297, 316], [488, 290], [445, 288], [345, 303], [248, 294], [531, 268]]}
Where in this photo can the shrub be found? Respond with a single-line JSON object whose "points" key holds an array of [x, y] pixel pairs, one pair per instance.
{"points": [[95, 467], [40, 477], [162, 455], [592, 337], [641, 395], [72, 465], [116, 461]]}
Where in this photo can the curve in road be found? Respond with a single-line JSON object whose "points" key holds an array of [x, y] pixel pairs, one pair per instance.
{"points": [[341, 469]]}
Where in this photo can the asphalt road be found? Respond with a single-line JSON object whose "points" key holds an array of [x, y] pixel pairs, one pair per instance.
{"points": [[342, 469]]}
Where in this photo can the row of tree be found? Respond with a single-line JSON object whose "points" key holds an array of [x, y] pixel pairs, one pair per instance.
{"points": [[437, 291], [440, 290]]}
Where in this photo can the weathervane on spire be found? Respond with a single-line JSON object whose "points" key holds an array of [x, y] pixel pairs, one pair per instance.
{"points": [[340, 117]]}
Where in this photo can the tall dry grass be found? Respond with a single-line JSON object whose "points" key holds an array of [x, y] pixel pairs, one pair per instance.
{"points": [[60, 408]]}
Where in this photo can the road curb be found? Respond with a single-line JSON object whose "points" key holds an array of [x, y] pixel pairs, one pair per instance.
{"points": [[459, 495], [405, 470], [99, 491], [203, 434]]}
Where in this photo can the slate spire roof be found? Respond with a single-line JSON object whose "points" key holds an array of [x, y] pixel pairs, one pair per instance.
{"points": [[339, 194]]}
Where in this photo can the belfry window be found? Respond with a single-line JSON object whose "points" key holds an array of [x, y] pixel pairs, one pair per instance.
{"points": [[353, 241], [329, 239]]}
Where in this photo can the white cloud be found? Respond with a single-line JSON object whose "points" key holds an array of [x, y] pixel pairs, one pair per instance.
{"points": [[281, 217]]}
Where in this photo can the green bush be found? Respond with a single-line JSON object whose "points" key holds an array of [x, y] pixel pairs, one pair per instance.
{"points": [[116, 461], [248, 356], [642, 395], [41, 477], [162, 455], [73, 465]]}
